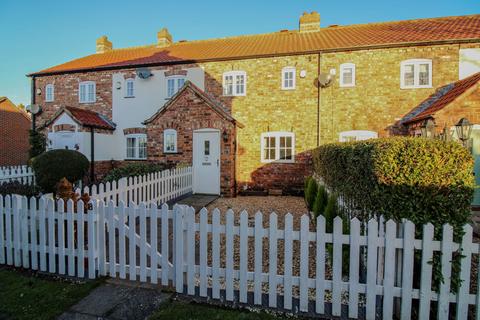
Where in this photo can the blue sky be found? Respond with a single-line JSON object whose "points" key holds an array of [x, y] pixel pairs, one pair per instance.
{"points": [[38, 34]]}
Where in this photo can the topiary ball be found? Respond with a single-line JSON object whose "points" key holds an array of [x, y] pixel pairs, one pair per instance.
{"points": [[51, 166]]}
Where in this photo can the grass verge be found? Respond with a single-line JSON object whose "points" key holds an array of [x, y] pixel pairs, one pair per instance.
{"points": [[29, 295], [181, 310]]}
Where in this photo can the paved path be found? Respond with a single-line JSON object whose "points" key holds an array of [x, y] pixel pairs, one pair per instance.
{"points": [[118, 300], [198, 201]]}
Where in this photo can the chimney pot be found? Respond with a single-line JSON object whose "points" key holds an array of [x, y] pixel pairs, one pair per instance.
{"points": [[309, 22], [104, 45], [164, 38]]}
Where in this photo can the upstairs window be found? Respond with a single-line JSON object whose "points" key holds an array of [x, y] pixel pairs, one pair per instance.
{"points": [[278, 146], [416, 73], [87, 93], [288, 78], [357, 135], [174, 84], [137, 147], [347, 75], [170, 141], [129, 88], [235, 83], [49, 93]]}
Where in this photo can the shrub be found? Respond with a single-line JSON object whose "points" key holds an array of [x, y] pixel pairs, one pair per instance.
{"points": [[15, 187], [331, 211], [320, 201], [51, 166], [135, 169], [37, 143], [423, 180], [310, 193]]}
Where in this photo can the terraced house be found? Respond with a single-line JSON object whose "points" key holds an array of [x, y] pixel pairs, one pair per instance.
{"points": [[246, 111]]}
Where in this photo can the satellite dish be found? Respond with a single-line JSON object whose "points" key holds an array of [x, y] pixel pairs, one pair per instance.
{"points": [[144, 73], [325, 79]]}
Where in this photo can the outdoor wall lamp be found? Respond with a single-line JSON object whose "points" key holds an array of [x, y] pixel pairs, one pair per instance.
{"points": [[34, 109], [428, 128], [225, 136], [464, 130]]}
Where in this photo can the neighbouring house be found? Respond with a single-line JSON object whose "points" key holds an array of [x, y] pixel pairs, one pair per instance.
{"points": [[443, 110], [14, 127], [246, 111]]}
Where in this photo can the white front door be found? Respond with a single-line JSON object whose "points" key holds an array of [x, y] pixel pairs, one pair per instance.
{"points": [[206, 161]]}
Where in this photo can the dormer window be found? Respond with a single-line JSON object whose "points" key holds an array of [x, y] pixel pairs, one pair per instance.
{"points": [[49, 93], [347, 75], [235, 83], [86, 92], [174, 83], [416, 73], [129, 88]]}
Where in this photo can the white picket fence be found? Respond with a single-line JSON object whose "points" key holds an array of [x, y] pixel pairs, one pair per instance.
{"points": [[158, 187], [205, 256], [23, 174]]}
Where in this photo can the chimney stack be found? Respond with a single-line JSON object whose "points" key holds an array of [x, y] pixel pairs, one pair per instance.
{"points": [[103, 45], [310, 22], [164, 38]]}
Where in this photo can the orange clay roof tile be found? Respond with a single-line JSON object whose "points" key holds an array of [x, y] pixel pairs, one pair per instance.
{"points": [[284, 43]]}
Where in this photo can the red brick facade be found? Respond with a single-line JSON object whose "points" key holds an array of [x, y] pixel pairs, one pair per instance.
{"points": [[187, 113], [14, 127]]}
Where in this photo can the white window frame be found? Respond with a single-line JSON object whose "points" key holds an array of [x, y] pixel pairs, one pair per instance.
{"points": [[356, 135], [416, 73], [235, 91], [286, 70], [176, 87], [131, 82], [277, 135], [49, 96], [343, 67], [88, 94], [166, 133], [136, 147]]}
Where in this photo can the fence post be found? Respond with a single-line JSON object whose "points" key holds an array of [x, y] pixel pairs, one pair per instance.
{"points": [[92, 241]]}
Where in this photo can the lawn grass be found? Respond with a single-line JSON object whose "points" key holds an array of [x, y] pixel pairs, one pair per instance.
{"points": [[193, 311], [28, 295]]}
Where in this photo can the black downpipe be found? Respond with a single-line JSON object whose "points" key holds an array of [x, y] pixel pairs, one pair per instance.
{"points": [[32, 100], [318, 100], [92, 155]]}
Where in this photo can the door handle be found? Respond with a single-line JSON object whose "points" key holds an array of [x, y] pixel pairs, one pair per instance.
{"points": [[218, 162]]}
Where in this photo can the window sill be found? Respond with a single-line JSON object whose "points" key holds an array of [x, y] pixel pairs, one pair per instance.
{"points": [[288, 89], [347, 86], [416, 87], [129, 97], [87, 102], [49, 101], [172, 152], [278, 161], [135, 159]]}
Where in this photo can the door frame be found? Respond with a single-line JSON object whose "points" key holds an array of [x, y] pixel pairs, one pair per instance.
{"points": [[208, 130]]}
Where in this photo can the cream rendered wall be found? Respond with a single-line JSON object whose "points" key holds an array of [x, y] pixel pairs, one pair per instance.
{"points": [[469, 62], [105, 148], [150, 95]]}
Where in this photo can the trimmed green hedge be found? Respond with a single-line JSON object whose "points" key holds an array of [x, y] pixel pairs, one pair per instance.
{"points": [[423, 180], [135, 169]]}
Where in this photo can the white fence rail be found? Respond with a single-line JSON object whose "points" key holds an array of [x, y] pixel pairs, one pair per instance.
{"points": [[233, 257], [22, 174], [158, 187]]}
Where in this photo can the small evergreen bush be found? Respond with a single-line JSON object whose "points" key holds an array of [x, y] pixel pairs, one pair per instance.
{"points": [[310, 193], [320, 202], [37, 142], [51, 166]]}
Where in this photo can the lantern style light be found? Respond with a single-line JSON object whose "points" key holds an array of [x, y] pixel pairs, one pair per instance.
{"points": [[464, 129], [225, 136], [427, 128]]}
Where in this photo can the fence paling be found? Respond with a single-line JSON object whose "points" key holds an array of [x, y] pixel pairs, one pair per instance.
{"points": [[22, 174], [158, 187], [149, 260]]}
